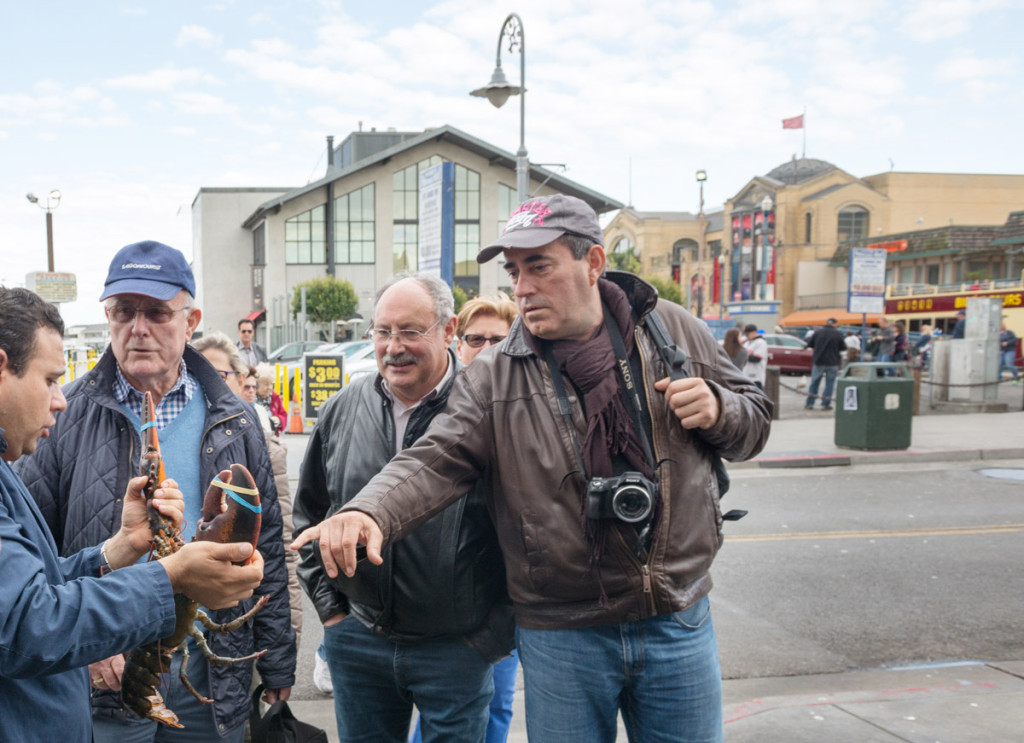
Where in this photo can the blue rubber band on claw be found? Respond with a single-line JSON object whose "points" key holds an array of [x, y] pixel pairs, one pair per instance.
{"points": [[241, 501], [151, 424]]}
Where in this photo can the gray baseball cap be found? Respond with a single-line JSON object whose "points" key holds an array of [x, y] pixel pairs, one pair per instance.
{"points": [[540, 221]]}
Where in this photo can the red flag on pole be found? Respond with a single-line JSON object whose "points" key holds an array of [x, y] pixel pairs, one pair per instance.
{"points": [[797, 122]]}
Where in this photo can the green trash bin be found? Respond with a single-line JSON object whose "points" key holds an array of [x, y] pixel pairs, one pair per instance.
{"points": [[875, 404]]}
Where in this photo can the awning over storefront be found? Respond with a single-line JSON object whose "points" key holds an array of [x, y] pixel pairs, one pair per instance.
{"points": [[820, 317], [256, 315]]}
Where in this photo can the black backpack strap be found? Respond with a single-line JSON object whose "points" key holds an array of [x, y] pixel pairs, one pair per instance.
{"points": [[675, 359]]}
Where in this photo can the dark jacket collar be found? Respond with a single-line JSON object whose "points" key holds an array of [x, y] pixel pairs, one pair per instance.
{"points": [[642, 298]]}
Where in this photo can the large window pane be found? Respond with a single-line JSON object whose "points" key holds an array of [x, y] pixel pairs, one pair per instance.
{"points": [[304, 237], [353, 226]]}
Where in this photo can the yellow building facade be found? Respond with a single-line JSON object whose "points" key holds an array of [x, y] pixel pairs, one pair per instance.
{"points": [[810, 207]]}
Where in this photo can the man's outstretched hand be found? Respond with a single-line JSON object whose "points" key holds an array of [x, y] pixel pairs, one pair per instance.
{"points": [[339, 536]]}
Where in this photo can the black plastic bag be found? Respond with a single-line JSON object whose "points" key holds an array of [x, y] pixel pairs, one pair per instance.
{"points": [[279, 725]]}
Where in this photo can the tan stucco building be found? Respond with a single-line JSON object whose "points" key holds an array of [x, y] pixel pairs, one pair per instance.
{"points": [[359, 222], [813, 207]]}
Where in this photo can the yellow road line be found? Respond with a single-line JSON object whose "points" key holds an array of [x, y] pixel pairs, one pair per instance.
{"points": [[942, 531]]}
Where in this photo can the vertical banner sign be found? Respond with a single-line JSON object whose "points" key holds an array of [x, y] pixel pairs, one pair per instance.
{"points": [[323, 375], [437, 221], [866, 292]]}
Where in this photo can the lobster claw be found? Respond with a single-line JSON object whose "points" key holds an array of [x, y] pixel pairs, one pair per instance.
{"points": [[231, 508], [151, 463]]}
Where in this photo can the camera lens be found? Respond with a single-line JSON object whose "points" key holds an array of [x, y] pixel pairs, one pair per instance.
{"points": [[631, 503]]}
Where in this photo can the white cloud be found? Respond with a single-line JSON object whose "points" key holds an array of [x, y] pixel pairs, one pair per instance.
{"points": [[204, 104], [932, 20], [197, 36], [162, 80]]}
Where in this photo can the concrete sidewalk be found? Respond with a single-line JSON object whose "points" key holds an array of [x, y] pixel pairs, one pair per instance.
{"points": [[809, 442], [954, 703]]}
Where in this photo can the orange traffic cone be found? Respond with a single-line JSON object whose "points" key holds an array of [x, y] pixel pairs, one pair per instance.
{"points": [[295, 417]]}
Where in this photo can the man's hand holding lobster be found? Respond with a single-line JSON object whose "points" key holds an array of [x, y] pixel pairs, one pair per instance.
{"points": [[134, 539], [203, 571]]}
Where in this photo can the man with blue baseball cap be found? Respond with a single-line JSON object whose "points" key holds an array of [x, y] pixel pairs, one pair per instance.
{"points": [[80, 472]]}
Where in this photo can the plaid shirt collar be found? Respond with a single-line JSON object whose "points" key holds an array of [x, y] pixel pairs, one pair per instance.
{"points": [[170, 404]]}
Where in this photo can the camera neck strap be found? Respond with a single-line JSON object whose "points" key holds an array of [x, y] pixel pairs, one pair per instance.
{"points": [[629, 386], [632, 394]]}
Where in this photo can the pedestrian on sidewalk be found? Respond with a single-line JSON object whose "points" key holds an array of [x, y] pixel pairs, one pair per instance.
{"points": [[1008, 352], [756, 366], [733, 347], [886, 338], [828, 345], [592, 575]]}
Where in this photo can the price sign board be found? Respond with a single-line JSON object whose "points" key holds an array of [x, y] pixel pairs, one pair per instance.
{"points": [[53, 287], [866, 292], [323, 374]]}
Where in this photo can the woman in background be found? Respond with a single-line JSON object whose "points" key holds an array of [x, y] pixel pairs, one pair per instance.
{"points": [[223, 354], [733, 347]]}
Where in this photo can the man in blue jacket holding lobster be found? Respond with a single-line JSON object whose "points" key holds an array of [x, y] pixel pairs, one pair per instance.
{"points": [[79, 473], [58, 614]]}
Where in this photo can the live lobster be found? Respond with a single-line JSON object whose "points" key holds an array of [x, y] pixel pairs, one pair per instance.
{"points": [[231, 513]]}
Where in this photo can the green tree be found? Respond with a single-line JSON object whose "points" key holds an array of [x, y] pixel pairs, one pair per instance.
{"points": [[624, 260], [460, 298], [668, 290], [327, 299]]}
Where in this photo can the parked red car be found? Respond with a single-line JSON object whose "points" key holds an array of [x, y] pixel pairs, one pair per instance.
{"points": [[790, 354]]}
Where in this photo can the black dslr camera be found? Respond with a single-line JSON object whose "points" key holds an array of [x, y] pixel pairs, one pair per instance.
{"points": [[628, 497]]}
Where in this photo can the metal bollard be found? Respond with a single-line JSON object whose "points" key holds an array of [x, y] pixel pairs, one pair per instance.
{"points": [[771, 388]]}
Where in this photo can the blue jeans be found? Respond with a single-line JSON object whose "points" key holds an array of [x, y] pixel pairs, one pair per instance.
{"points": [[197, 718], [1006, 359], [377, 681], [829, 372], [501, 703], [661, 672]]}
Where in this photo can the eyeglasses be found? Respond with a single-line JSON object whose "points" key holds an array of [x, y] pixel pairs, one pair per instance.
{"points": [[246, 331], [225, 374], [250, 387], [125, 313], [475, 341], [407, 336]]}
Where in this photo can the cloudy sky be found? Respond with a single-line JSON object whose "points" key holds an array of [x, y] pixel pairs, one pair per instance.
{"points": [[130, 107]]}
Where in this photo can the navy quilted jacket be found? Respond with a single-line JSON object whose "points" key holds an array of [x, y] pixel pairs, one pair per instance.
{"points": [[78, 477]]}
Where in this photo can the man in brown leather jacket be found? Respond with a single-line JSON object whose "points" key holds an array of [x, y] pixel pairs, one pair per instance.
{"points": [[605, 500]]}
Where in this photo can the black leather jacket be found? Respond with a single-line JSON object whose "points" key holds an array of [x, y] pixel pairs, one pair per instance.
{"points": [[446, 580]]}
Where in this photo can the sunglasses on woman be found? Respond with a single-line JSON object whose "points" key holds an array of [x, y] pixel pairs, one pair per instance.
{"points": [[473, 340]]}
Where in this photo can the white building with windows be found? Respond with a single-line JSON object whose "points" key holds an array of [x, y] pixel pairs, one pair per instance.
{"points": [[359, 222]]}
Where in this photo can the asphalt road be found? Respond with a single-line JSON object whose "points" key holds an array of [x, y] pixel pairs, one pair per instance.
{"points": [[846, 568], [843, 568]]}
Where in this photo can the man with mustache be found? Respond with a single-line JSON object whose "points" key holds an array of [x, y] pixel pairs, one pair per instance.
{"points": [[424, 627]]}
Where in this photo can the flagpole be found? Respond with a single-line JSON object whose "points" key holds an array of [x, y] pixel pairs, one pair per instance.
{"points": [[803, 120]]}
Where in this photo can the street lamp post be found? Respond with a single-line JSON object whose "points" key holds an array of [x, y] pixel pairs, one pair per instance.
{"points": [[766, 206], [52, 202], [721, 286], [498, 90], [702, 176]]}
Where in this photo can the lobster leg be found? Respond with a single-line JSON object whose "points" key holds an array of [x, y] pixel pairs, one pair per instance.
{"points": [[183, 673], [221, 660], [234, 623]]}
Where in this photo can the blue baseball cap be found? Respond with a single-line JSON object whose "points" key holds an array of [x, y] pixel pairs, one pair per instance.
{"points": [[149, 268]]}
